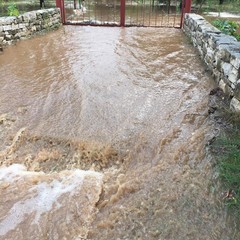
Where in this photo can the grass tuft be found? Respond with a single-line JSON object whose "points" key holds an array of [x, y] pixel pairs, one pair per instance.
{"points": [[227, 150]]}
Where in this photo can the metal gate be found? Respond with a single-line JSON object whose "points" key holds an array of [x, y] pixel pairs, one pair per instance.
{"points": [[145, 13]]}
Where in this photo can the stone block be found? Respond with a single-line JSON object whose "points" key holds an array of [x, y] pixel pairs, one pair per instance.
{"points": [[15, 26], [237, 90], [22, 25], [26, 18], [223, 39], [235, 59], [229, 91], [33, 29], [235, 105], [200, 50], [17, 36], [226, 68], [7, 20], [223, 53], [222, 85], [210, 52], [38, 28], [205, 47], [233, 86], [23, 34], [216, 75], [7, 28], [194, 16], [233, 76], [45, 15], [9, 42], [211, 43], [19, 19]]}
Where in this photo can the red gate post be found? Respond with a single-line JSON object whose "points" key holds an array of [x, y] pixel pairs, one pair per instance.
{"points": [[186, 8], [60, 4], [122, 13], [188, 5]]}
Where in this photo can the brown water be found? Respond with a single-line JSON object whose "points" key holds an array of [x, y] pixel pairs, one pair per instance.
{"points": [[128, 103]]}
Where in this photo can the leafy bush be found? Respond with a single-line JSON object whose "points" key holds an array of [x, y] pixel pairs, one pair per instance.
{"points": [[227, 27], [12, 9]]}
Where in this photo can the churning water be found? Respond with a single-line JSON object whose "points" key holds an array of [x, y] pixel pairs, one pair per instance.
{"points": [[111, 125]]}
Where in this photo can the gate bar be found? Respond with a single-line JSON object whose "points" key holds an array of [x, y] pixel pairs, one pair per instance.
{"points": [[60, 4], [122, 13], [188, 5], [186, 8]]}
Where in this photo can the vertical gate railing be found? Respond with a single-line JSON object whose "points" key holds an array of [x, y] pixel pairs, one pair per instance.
{"points": [[123, 13], [60, 4], [151, 13], [186, 8]]}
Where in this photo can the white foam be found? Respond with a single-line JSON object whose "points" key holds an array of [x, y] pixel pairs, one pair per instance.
{"points": [[44, 196], [14, 172]]}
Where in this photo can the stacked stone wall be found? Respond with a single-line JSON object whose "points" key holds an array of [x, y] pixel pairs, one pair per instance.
{"points": [[13, 29], [220, 52]]}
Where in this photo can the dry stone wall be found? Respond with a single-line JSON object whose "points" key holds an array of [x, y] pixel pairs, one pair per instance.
{"points": [[13, 29], [220, 52]]}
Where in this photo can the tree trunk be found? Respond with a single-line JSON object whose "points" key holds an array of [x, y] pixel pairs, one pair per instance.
{"points": [[42, 4]]}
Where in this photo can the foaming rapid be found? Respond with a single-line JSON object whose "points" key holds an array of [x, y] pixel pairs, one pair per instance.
{"points": [[34, 201]]}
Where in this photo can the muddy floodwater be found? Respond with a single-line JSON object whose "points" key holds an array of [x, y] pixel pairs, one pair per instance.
{"points": [[103, 135]]}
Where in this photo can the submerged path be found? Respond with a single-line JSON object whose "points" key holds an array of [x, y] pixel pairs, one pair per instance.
{"points": [[129, 103]]}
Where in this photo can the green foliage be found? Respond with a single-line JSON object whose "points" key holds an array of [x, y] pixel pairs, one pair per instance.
{"points": [[227, 27], [228, 155], [12, 9], [230, 165]]}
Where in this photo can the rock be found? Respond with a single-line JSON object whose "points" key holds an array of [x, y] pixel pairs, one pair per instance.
{"points": [[235, 105], [237, 91], [217, 91]]}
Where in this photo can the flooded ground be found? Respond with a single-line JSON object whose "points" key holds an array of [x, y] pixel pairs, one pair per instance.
{"points": [[129, 108]]}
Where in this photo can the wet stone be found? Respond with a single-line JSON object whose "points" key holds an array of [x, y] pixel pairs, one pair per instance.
{"points": [[227, 68], [235, 105], [237, 91], [235, 59], [234, 75]]}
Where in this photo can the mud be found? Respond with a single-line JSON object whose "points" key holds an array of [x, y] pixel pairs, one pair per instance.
{"points": [[130, 104]]}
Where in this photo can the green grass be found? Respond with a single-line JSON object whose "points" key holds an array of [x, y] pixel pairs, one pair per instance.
{"points": [[226, 149]]}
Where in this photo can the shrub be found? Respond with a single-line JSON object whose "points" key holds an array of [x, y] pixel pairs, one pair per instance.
{"points": [[12, 9], [227, 27]]}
